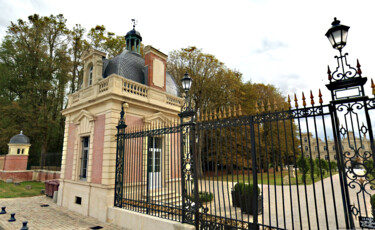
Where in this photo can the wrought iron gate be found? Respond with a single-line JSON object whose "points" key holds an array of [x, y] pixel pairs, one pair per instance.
{"points": [[306, 167]]}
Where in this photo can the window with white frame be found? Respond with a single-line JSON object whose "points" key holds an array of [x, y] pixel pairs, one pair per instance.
{"points": [[84, 157], [89, 82]]}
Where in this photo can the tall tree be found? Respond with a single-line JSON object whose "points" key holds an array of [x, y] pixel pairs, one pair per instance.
{"points": [[78, 45], [214, 85], [103, 40], [37, 68]]}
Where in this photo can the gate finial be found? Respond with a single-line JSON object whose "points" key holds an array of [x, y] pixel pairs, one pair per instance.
{"points": [[312, 98], [290, 106], [229, 112], [262, 107], [359, 71], [295, 100], [274, 104], [239, 110], [320, 97], [373, 87], [329, 74], [303, 99]]}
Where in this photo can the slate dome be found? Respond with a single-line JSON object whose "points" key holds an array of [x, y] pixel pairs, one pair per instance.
{"points": [[19, 139], [131, 65], [127, 64]]}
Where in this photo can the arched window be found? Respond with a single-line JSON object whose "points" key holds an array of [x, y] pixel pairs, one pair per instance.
{"points": [[90, 76]]}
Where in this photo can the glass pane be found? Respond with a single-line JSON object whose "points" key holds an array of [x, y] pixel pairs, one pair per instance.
{"points": [[344, 35], [84, 157], [331, 40]]}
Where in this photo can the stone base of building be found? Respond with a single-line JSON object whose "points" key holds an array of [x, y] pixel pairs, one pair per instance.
{"points": [[29, 175], [97, 201], [134, 220], [86, 198]]}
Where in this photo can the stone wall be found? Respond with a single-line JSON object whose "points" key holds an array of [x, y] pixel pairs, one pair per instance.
{"points": [[29, 175]]}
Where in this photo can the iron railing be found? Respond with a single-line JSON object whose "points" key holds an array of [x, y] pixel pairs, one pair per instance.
{"points": [[289, 155], [310, 167]]}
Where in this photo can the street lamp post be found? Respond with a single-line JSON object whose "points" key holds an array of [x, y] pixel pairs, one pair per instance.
{"points": [[348, 100], [189, 180]]}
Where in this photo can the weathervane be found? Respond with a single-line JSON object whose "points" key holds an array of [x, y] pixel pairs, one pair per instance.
{"points": [[134, 22]]}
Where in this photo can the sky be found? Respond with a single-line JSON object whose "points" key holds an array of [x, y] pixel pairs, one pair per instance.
{"points": [[274, 42]]}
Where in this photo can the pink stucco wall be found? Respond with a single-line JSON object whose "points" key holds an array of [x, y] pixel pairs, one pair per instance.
{"points": [[70, 151], [15, 162], [175, 162], [133, 160], [97, 153], [131, 120], [133, 167]]}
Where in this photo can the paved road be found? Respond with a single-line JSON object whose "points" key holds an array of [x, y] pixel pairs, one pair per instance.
{"points": [[308, 211], [45, 218], [314, 212]]}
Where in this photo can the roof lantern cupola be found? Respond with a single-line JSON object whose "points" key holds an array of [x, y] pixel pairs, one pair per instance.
{"points": [[133, 39]]}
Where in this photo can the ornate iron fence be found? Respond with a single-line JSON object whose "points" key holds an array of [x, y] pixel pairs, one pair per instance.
{"points": [[307, 167]]}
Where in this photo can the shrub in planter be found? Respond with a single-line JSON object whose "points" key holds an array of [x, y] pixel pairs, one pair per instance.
{"points": [[203, 197], [236, 194], [247, 199], [372, 201]]}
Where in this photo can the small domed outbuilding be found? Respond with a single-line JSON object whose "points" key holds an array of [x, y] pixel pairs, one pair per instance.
{"points": [[19, 145], [18, 153]]}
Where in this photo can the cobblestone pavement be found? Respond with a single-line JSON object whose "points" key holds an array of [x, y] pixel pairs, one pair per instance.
{"points": [[45, 218]]}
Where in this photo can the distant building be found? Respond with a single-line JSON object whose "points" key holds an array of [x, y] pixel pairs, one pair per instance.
{"points": [[18, 154], [318, 148]]}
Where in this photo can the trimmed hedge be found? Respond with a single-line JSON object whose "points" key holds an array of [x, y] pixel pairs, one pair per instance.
{"points": [[203, 197]]}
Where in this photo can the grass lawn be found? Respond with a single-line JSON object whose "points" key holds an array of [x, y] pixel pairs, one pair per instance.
{"points": [[271, 178], [11, 190]]}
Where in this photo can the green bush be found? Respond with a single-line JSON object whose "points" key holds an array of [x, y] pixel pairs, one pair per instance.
{"points": [[245, 188], [239, 187], [303, 165], [321, 164], [203, 197], [333, 165]]}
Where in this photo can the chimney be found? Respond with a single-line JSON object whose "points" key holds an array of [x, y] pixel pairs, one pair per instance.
{"points": [[156, 63]]}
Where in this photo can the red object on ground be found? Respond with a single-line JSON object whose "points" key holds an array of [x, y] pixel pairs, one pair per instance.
{"points": [[51, 186]]}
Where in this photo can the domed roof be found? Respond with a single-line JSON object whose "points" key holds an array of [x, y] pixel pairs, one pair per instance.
{"points": [[172, 87], [133, 32], [127, 64], [19, 139]]}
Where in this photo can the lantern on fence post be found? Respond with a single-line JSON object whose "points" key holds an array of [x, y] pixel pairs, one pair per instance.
{"points": [[189, 181], [187, 110], [337, 35]]}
